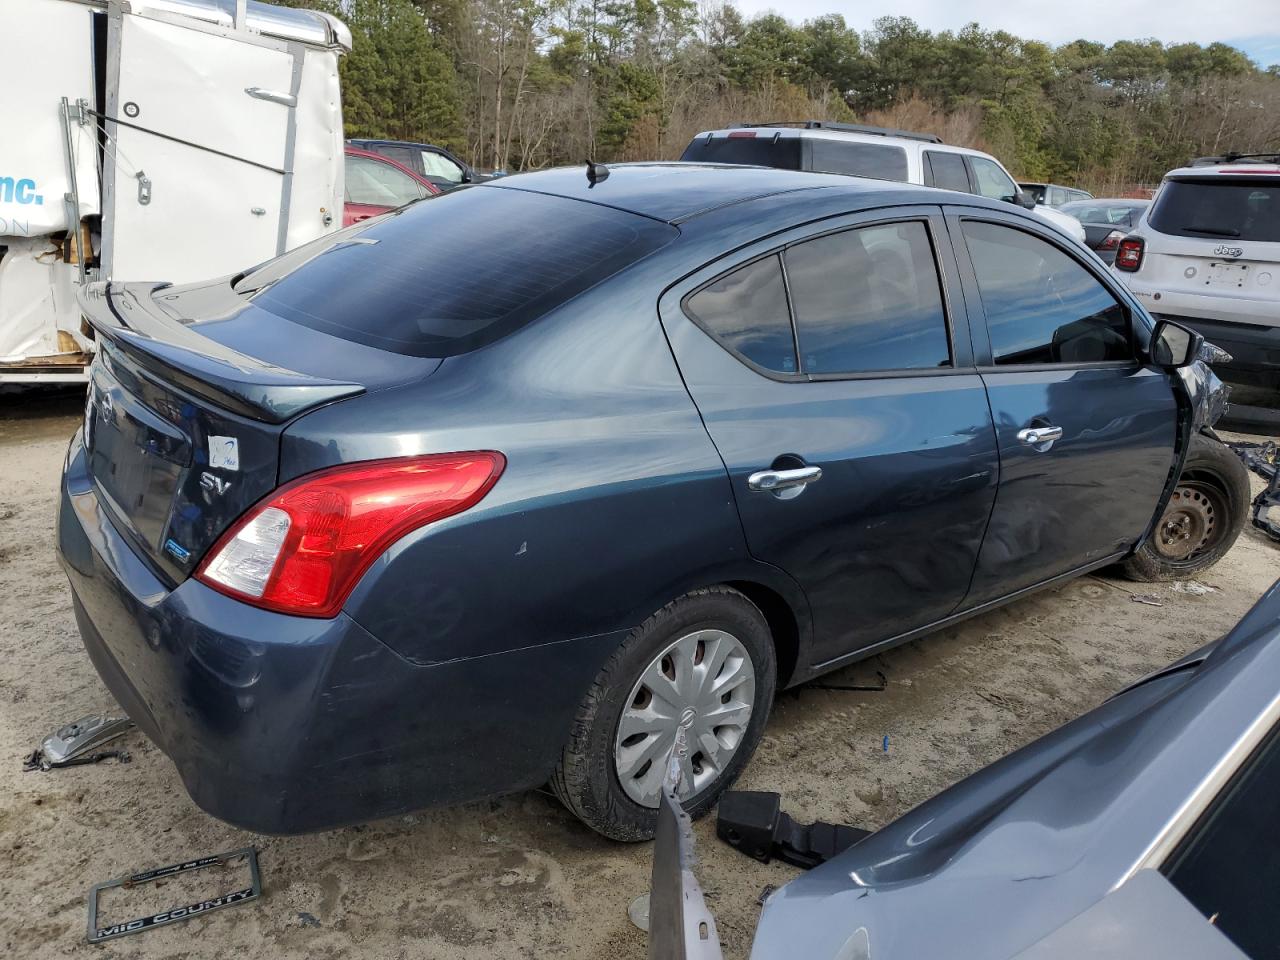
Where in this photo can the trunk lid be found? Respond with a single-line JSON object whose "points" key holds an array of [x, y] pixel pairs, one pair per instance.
{"points": [[188, 397]]}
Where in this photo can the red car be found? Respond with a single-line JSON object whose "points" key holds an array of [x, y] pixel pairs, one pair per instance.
{"points": [[376, 184]]}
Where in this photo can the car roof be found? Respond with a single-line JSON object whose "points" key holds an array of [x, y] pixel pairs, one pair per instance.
{"points": [[1260, 168], [395, 143], [677, 192]]}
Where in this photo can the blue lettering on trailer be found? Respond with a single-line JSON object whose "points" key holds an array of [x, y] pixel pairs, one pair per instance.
{"points": [[15, 190]]}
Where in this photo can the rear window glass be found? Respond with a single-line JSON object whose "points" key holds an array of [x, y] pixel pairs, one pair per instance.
{"points": [[752, 150], [858, 159], [454, 272], [867, 300], [1218, 210], [746, 310]]}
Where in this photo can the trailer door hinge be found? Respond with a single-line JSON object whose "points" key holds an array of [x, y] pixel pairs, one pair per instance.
{"points": [[144, 188]]}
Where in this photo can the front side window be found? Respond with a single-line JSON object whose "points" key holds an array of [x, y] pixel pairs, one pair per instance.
{"points": [[868, 299], [1041, 305], [856, 159], [380, 184], [746, 311], [438, 165], [1227, 866], [992, 181], [946, 171]]}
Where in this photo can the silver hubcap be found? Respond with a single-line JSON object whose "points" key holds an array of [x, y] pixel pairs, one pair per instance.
{"points": [[704, 682]]}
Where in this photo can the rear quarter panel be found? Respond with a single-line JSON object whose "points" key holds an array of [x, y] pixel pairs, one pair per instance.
{"points": [[613, 502]]}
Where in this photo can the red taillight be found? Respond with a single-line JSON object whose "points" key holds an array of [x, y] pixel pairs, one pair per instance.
{"points": [[1129, 254], [302, 549], [1111, 241]]}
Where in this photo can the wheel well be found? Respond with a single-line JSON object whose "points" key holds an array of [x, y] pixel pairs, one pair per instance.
{"points": [[782, 625]]}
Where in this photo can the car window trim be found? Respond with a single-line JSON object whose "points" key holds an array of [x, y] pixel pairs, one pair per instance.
{"points": [[936, 231], [1190, 814], [969, 282]]}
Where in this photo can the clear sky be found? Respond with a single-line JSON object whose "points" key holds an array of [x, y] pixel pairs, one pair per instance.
{"points": [[1251, 25]]}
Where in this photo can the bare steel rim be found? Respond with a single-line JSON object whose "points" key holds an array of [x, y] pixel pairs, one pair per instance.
{"points": [[1192, 523], [704, 682]]}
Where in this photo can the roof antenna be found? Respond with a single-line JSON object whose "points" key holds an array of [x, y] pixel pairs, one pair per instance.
{"points": [[596, 172]]}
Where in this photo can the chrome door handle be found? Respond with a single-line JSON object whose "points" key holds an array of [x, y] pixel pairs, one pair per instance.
{"points": [[784, 484], [1041, 438]]}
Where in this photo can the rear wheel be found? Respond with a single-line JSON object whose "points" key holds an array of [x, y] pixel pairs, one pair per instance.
{"points": [[704, 663], [1202, 519]]}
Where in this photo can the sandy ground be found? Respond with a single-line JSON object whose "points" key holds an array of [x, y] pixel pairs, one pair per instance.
{"points": [[519, 877]]}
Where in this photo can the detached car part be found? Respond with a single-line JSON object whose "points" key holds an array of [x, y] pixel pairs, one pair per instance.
{"points": [[1264, 460], [680, 925], [249, 855], [752, 822], [73, 743]]}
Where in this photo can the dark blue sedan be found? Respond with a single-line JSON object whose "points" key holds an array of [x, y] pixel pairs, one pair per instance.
{"points": [[506, 487]]}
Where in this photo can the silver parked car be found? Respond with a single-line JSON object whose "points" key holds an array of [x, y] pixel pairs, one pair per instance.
{"points": [[1149, 827]]}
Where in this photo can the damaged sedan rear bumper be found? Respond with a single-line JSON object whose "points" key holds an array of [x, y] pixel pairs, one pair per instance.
{"points": [[283, 724]]}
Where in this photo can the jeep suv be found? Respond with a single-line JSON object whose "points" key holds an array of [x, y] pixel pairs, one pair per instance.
{"points": [[1207, 255], [881, 153]]}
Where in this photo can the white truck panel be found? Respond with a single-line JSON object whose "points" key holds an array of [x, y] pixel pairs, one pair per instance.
{"points": [[44, 56], [316, 197]]}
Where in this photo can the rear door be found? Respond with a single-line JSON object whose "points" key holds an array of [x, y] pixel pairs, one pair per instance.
{"points": [[833, 370], [1086, 431], [198, 157]]}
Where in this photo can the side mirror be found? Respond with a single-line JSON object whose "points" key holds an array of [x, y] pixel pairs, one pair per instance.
{"points": [[1173, 345], [1025, 199]]}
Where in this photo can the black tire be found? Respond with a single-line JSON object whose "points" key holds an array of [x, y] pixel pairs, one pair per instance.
{"points": [[1214, 486], [586, 779]]}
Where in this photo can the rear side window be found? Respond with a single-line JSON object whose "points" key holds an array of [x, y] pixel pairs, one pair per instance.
{"points": [[455, 272], [1041, 305], [745, 147], [868, 299], [1219, 210], [946, 171], [857, 159], [746, 310]]}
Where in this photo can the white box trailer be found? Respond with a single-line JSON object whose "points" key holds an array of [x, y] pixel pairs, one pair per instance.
{"points": [[171, 140]]}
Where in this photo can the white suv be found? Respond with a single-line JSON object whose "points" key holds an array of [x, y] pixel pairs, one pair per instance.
{"points": [[861, 151], [1206, 254]]}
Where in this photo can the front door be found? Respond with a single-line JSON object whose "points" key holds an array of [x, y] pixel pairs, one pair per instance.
{"points": [[857, 435], [1086, 430]]}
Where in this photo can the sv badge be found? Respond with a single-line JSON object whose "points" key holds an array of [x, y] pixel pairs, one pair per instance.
{"points": [[214, 484]]}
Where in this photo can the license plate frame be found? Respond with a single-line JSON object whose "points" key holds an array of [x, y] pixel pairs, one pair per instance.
{"points": [[177, 914]]}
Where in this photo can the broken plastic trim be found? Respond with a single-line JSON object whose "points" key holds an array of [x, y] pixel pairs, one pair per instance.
{"points": [[752, 822], [1207, 394], [1264, 460], [175, 914], [680, 925], [72, 743]]}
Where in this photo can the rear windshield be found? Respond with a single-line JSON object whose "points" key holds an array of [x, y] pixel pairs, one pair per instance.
{"points": [[749, 149], [454, 272], [1232, 210]]}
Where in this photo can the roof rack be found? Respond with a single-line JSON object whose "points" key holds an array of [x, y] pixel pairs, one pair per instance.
{"points": [[843, 128], [1233, 158]]}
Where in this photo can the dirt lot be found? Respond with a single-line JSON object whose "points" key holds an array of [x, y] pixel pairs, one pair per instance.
{"points": [[519, 877]]}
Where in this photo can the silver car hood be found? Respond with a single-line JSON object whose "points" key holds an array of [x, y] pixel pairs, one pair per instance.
{"points": [[1000, 861]]}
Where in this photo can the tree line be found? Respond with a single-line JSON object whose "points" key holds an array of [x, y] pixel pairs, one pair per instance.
{"points": [[523, 84]]}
